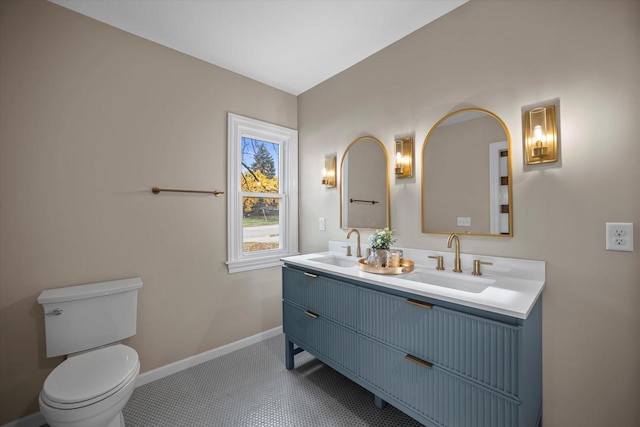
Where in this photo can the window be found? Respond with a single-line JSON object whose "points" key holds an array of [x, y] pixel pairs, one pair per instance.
{"points": [[262, 175]]}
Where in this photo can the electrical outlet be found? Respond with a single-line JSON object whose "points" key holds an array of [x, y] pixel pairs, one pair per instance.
{"points": [[322, 225], [464, 221], [619, 236]]}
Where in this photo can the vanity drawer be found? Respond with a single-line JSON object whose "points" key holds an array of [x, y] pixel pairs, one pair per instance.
{"points": [[330, 298], [336, 343], [435, 393], [479, 349]]}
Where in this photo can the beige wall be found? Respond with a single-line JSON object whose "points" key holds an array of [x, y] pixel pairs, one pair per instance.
{"points": [[484, 55], [90, 119]]}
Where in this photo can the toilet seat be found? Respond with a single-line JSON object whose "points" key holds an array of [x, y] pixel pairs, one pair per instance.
{"points": [[90, 377]]}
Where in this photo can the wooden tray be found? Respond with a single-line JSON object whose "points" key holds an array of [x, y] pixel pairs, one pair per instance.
{"points": [[406, 266]]}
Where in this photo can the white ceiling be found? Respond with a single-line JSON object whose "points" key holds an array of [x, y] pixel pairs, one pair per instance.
{"points": [[292, 45]]}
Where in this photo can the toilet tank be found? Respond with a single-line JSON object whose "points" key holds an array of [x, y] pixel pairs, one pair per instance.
{"points": [[83, 317]]}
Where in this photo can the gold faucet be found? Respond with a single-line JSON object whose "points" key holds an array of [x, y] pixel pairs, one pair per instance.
{"points": [[456, 264], [358, 250]]}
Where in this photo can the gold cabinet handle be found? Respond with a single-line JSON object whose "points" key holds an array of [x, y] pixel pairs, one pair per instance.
{"points": [[314, 276], [311, 314], [418, 361], [419, 303]]}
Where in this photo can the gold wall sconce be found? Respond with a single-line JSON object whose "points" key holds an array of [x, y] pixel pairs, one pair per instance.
{"points": [[540, 135], [404, 158], [329, 171]]}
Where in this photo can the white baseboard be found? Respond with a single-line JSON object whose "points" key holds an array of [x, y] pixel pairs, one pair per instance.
{"points": [[37, 420], [183, 364]]}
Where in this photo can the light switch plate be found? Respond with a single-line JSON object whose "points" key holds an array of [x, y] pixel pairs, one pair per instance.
{"points": [[322, 225], [619, 236]]}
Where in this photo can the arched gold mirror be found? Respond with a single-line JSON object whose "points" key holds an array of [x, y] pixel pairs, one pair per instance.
{"points": [[364, 185], [466, 175]]}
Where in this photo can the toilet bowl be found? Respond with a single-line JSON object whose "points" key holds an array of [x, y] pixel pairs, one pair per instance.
{"points": [[87, 322], [90, 389]]}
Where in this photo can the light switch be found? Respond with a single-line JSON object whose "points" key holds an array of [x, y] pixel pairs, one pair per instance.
{"points": [[322, 224]]}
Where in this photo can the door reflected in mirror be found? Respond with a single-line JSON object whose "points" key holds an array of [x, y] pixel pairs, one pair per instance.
{"points": [[364, 185], [466, 175]]}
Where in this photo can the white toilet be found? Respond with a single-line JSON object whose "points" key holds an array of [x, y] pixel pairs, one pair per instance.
{"points": [[86, 322]]}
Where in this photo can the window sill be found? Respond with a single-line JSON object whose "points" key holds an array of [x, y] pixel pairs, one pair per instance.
{"points": [[238, 266]]}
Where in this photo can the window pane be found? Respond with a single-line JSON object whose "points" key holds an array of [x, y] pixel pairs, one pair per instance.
{"points": [[260, 162], [260, 224]]}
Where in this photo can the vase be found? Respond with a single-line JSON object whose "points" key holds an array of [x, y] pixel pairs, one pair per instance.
{"points": [[377, 258]]}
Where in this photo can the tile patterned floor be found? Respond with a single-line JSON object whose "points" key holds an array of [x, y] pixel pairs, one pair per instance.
{"points": [[251, 387]]}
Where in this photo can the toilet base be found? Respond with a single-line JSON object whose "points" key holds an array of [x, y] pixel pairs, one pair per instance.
{"points": [[117, 421]]}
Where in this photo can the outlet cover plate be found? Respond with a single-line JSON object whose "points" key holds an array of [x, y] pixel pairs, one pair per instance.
{"points": [[619, 236], [464, 221]]}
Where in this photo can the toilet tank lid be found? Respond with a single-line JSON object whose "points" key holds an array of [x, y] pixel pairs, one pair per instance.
{"points": [[90, 290]]}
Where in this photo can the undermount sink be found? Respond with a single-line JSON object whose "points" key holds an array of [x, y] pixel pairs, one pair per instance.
{"points": [[451, 280], [336, 260]]}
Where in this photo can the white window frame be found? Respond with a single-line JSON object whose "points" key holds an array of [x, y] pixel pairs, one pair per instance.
{"points": [[239, 127]]}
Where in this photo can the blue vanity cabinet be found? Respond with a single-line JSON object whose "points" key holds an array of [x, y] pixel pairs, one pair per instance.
{"points": [[321, 294], [478, 349], [452, 367], [443, 364], [430, 393], [319, 315]]}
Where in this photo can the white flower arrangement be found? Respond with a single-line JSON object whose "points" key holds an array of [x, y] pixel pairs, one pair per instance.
{"points": [[382, 239]]}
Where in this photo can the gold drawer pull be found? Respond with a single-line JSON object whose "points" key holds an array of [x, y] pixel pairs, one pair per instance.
{"points": [[418, 361], [420, 303], [314, 276], [311, 314]]}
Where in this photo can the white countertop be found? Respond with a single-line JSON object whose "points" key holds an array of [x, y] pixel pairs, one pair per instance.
{"points": [[515, 284]]}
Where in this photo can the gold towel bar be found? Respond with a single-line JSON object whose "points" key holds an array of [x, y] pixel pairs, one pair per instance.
{"points": [[156, 190]]}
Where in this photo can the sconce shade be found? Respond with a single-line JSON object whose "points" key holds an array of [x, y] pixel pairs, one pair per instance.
{"points": [[540, 135], [404, 158], [329, 172]]}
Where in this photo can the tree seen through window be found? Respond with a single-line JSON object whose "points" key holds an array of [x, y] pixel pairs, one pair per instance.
{"points": [[261, 215]]}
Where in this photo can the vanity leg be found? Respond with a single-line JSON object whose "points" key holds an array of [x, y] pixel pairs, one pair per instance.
{"points": [[380, 404], [290, 350], [288, 354]]}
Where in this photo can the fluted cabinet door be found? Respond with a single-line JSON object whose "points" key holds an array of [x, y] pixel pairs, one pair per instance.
{"points": [[441, 397], [297, 324], [322, 336], [332, 299], [479, 349]]}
